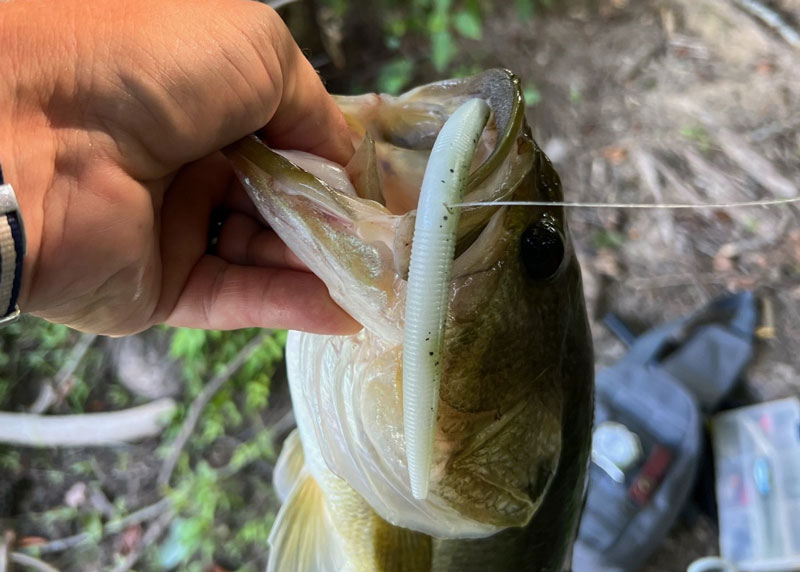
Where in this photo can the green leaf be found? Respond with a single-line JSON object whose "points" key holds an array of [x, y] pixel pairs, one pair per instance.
{"points": [[442, 6], [532, 95], [187, 342], [442, 50], [395, 75], [525, 9], [468, 24]]}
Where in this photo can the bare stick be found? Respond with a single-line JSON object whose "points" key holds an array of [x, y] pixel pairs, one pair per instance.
{"points": [[53, 390], [754, 164], [142, 515], [772, 19], [199, 404], [31, 562], [86, 430], [5, 544], [153, 533]]}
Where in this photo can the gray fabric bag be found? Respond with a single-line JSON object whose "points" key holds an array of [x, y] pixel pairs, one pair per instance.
{"points": [[650, 403]]}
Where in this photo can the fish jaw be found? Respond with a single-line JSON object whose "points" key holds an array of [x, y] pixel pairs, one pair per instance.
{"points": [[347, 242]]}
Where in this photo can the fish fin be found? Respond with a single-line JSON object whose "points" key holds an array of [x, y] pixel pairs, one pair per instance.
{"points": [[363, 171], [290, 464], [301, 538], [400, 549]]}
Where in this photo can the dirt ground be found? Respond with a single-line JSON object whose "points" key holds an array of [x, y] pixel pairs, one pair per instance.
{"points": [[691, 101]]}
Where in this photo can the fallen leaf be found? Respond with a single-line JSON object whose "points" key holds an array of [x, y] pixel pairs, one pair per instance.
{"points": [[723, 259], [31, 541], [615, 154], [128, 539], [76, 495], [765, 67], [606, 263]]}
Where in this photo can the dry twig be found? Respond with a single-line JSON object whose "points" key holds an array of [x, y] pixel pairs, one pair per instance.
{"points": [[31, 562], [772, 19], [200, 403], [153, 533], [5, 544], [55, 389], [754, 164], [142, 515]]}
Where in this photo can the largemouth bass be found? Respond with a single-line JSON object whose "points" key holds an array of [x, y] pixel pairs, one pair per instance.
{"points": [[511, 437]]}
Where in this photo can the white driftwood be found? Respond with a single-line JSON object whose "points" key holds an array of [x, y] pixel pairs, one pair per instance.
{"points": [[88, 429]]}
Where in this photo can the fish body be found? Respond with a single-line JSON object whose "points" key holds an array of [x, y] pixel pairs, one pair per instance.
{"points": [[512, 433]]}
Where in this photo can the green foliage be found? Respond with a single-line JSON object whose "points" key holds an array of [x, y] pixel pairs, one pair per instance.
{"points": [[30, 350], [575, 95], [207, 497], [698, 135], [531, 94], [395, 75], [431, 31], [204, 354], [213, 515], [9, 460], [528, 8], [468, 24], [606, 238], [221, 490]]}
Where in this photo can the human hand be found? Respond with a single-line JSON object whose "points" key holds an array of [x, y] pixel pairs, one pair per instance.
{"points": [[112, 113]]}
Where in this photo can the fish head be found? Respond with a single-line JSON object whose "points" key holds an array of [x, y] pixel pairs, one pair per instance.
{"points": [[516, 382]]}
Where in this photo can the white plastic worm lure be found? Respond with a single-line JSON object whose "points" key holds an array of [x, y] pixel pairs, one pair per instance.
{"points": [[429, 282]]}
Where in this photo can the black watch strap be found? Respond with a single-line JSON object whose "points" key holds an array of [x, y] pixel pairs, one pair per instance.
{"points": [[12, 250]]}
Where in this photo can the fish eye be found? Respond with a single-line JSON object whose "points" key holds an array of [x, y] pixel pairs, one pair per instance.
{"points": [[542, 249]]}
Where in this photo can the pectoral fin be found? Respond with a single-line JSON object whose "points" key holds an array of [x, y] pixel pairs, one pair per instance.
{"points": [[290, 464], [301, 538], [401, 550]]}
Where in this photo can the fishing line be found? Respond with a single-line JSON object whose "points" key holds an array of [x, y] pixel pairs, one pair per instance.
{"points": [[664, 206]]}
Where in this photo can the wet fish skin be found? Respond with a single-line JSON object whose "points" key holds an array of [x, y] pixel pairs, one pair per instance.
{"points": [[513, 430], [543, 544]]}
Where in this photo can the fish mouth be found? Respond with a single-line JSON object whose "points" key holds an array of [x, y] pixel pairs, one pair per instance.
{"points": [[394, 137], [370, 203]]}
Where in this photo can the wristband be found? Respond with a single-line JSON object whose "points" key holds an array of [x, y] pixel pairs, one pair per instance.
{"points": [[12, 249]]}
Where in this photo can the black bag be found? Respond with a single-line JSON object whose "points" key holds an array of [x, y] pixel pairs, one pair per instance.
{"points": [[648, 430]]}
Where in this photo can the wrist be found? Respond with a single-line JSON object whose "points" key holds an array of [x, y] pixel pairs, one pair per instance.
{"points": [[26, 141]]}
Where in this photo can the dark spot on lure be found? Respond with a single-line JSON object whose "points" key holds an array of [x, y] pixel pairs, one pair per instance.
{"points": [[542, 249]]}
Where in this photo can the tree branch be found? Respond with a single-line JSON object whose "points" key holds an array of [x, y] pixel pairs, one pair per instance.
{"points": [[56, 388], [86, 430], [153, 533], [31, 562]]}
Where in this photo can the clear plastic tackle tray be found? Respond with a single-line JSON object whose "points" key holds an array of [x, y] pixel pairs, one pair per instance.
{"points": [[757, 458]]}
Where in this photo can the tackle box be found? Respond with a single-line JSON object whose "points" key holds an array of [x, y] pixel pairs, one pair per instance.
{"points": [[757, 459]]}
